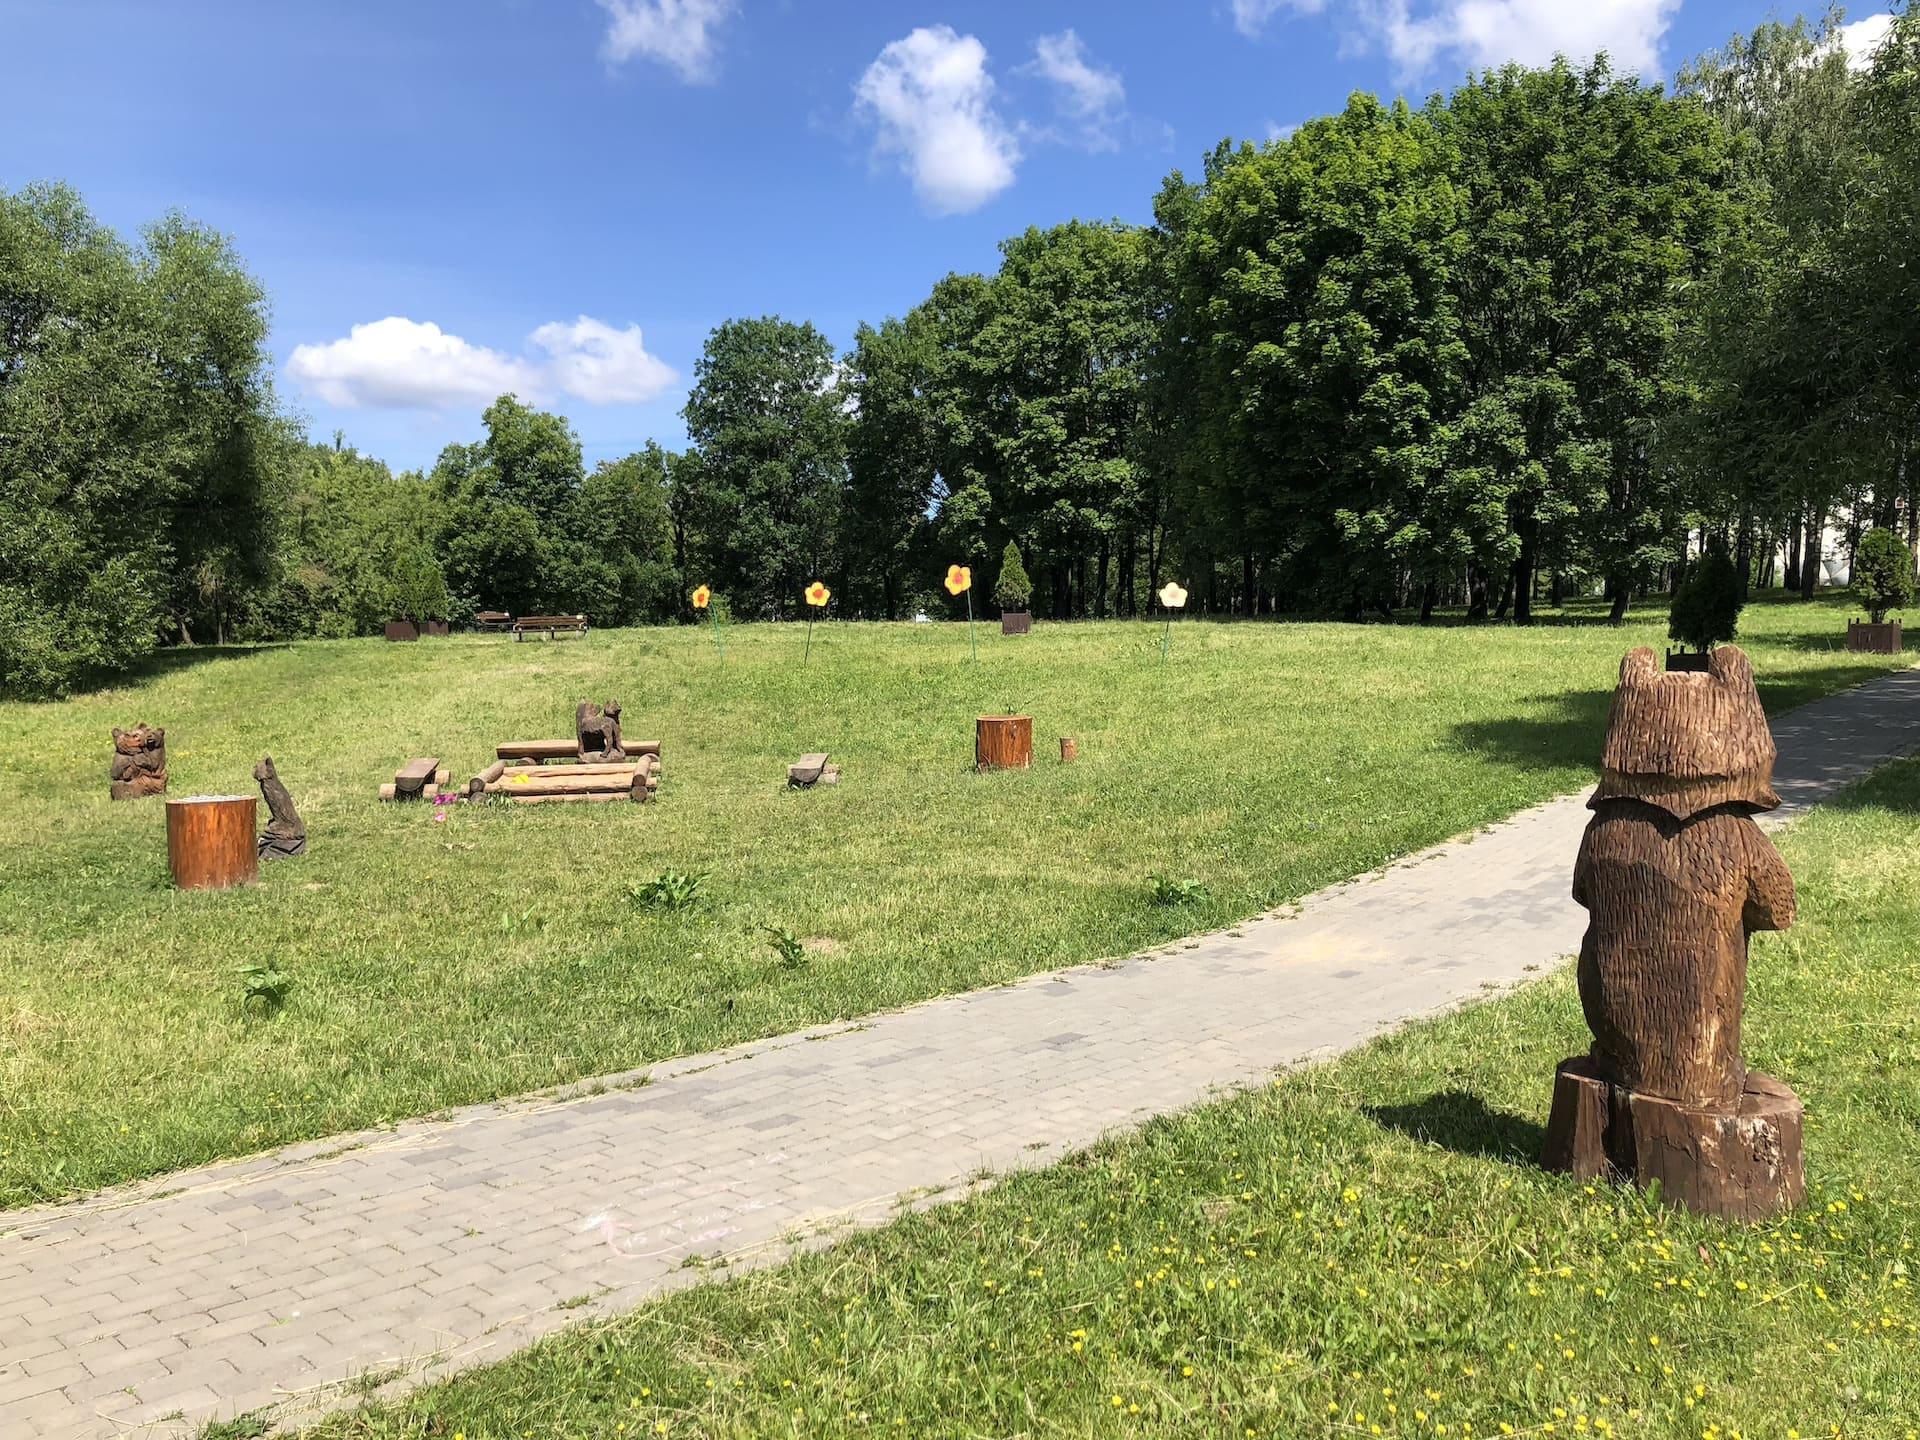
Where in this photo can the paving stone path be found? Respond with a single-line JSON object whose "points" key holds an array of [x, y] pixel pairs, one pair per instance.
{"points": [[276, 1280]]}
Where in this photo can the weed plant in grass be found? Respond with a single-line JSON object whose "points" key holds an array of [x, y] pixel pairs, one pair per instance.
{"points": [[422, 964], [1365, 1248]]}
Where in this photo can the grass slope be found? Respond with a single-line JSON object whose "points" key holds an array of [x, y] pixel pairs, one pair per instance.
{"points": [[1365, 1248], [436, 964]]}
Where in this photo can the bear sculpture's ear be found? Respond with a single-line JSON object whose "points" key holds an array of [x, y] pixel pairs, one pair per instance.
{"points": [[1639, 667], [1729, 666]]}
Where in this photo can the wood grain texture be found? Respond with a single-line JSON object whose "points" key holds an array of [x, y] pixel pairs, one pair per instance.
{"points": [[210, 841], [139, 765], [1003, 742], [285, 834]]}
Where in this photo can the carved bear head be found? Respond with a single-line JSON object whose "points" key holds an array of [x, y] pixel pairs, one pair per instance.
{"points": [[1687, 741]]}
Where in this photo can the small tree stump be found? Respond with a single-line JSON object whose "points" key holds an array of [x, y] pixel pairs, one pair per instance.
{"points": [[1740, 1163], [139, 763], [1003, 742], [286, 833], [210, 841], [1069, 749]]}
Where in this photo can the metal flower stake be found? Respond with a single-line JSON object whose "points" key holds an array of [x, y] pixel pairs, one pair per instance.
{"points": [[960, 582], [701, 597], [817, 597], [1172, 598]]}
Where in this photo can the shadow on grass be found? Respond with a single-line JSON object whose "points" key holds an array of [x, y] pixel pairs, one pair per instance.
{"points": [[175, 658], [1893, 790], [1460, 1121]]}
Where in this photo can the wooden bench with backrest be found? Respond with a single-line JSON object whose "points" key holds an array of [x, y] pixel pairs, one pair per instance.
{"points": [[552, 624], [494, 621]]}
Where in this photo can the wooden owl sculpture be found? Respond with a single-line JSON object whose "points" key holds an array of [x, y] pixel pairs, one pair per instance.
{"points": [[1676, 876]]}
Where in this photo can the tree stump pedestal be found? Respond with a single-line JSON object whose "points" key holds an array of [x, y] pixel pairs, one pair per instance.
{"points": [[211, 842], [1003, 742], [1743, 1164]]}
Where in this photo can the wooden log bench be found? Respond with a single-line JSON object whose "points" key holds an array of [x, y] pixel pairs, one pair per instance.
{"points": [[554, 625], [637, 780], [418, 779], [538, 750]]}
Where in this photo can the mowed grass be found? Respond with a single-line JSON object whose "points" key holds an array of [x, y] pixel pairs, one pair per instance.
{"points": [[1365, 1248], [432, 964]]}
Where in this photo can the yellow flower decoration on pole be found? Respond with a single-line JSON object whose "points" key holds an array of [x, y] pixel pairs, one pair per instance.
{"points": [[702, 597], [817, 596], [1172, 598], [960, 582]]}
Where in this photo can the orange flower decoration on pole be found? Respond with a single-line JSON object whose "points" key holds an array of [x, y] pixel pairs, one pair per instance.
{"points": [[817, 596], [960, 582], [702, 597]]}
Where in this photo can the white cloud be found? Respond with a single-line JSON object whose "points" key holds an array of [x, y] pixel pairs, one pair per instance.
{"points": [[1250, 16], [931, 98], [677, 33], [1416, 34], [1863, 37], [1532, 32], [402, 364], [1277, 132], [601, 365], [1089, 96]]}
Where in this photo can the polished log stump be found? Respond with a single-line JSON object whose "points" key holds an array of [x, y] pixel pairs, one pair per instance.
{"points": [[1003, 742], [211, 841]]}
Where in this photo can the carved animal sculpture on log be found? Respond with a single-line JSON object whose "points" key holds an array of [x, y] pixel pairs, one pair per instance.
{"points": [[1675, 876], [597, 728], [285, 834], [139, 763]]}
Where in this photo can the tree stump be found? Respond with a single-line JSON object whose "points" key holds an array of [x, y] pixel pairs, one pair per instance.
{"points": [[1739, 1163], [286, 833], [1003, 742], [1675, 876], [139, 763], [1069, 749], [210, 841]]}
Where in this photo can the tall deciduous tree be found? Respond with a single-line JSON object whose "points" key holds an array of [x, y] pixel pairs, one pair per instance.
{"points": [[769, 420]]}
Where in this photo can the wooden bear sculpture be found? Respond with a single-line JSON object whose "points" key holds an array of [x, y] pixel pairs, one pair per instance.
{"points": [[1676, 875], [139, 762], [285, 835], [597, 730]]}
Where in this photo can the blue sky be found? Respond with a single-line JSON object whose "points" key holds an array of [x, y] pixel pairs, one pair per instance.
{"points": [[564, 196]]}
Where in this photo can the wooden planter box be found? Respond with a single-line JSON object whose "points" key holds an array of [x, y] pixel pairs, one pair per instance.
{"points": [[1016, 622], [433, 627], [1688, 662], [402, 630], [1867, 638]]}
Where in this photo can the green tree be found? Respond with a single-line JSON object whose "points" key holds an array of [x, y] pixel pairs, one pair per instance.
{"points": [[140, 446], [1012, 590], [1706, 607], [1883, 575], [1594, 205], [768, 419], [891, 467]]}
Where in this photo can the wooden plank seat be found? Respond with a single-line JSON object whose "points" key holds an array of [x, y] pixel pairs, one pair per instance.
{"points": [[541, 750], [553, 624], [496, 622]]}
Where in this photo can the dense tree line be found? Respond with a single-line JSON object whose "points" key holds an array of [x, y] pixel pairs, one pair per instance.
{"points": [[1546, 335]]}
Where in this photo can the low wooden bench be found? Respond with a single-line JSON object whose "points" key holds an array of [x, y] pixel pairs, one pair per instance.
{"points": [[496, 622], [552, 624], [419, 779]]}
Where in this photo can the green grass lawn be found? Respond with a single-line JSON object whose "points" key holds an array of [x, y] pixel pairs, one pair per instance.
{"points": [[1365, 1248], [500, 951]]}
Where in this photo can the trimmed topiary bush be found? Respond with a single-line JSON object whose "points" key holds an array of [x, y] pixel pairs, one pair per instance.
{"points": [[1013, 590], [1883, 575], [1706, 607]]}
